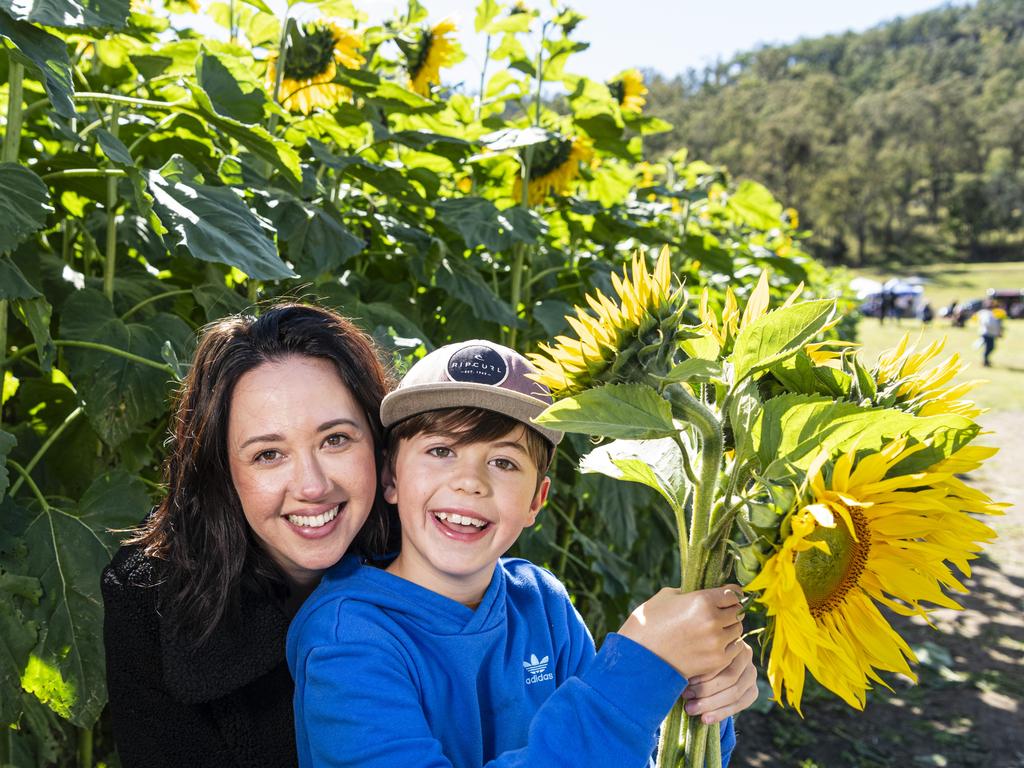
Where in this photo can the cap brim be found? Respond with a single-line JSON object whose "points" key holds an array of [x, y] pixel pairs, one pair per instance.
{"points": [[420, 398]]}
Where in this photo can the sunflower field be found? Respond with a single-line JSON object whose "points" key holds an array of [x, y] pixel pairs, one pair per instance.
{"points": [[166, 164]]}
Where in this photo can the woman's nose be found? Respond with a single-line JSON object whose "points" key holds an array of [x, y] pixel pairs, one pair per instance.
{"points": [[311, 480]]}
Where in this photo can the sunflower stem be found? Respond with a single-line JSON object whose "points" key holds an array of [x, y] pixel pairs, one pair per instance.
{"points": [[111, 254], [668, 743], [151, 299], [12, 131], [68, 420], [31, 483], [483, 79]]}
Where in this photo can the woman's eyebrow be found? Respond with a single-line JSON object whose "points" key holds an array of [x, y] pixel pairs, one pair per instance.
{"points": [[260, 439], [335, 422], [273, 436]]}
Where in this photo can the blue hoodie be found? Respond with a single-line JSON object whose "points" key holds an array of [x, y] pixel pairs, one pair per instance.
{"points": [[388, 673]]}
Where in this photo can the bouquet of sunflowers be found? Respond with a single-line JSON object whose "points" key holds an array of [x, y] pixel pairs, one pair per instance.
{"points": [[827, 488]]}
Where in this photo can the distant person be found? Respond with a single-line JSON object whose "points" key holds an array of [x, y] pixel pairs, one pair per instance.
{"points": [[926, 313], [990, 328], [886, 307]]}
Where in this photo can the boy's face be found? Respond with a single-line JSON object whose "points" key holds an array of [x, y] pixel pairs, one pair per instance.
{"points": [[461, 507]]}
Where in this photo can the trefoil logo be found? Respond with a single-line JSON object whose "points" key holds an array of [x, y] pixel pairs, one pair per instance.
{"points": [[535, 667]]}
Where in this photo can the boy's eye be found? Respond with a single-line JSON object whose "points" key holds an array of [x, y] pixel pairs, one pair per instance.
{"points": [[506, 464], [440, 451]]}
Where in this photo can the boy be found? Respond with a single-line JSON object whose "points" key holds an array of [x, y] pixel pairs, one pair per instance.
{"points": [[452, 656]]}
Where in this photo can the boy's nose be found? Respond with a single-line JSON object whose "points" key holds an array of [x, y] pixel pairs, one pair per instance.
{"points": [[468, 480]]}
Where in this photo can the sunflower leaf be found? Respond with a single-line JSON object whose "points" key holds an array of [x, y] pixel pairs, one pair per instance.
{"points": [[620, 411], [69, 14], [46, 53], [779, 334], [654, 463], [25, 201]]}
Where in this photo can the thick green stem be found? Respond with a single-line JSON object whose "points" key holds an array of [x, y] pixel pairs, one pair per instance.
{"points": [[68, 420], [12, 131], [90, 345], [669, 744], [83, 173], [483, 79], [114, 98], [111, 252], [31, 483], [518, 265], [696, 745], [3, 355], [85, 748]]}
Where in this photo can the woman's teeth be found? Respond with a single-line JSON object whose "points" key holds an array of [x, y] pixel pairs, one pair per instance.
{"points": [[451, 517], [314, 521]]}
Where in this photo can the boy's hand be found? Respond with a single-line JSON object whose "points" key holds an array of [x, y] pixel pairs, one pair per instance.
{"points": [[695, 632], [716, 697]]}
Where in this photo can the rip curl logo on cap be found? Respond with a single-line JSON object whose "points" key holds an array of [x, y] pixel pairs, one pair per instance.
{"points": [[478, 365]]}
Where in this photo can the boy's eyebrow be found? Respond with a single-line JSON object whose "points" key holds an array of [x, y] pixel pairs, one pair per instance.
{"points": [[273, 436], [511, 444]]}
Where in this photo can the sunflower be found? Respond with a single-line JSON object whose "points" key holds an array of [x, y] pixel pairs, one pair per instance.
{"points": [[554, 165], [858, 538], [908, 380], [725, 331], [313, 55], [628, 90], [434, 50], [648, 313]]}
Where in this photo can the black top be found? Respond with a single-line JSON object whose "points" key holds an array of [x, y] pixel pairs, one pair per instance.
{"points": [[228, 704]]}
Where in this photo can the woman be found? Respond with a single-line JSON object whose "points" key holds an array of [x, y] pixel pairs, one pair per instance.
{"points": [[271, 479], [271, 475]]}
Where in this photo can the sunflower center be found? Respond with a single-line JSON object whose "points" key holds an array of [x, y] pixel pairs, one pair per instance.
{"points": [[618, 90], [310, 52], [549, 156], [827, 578]]}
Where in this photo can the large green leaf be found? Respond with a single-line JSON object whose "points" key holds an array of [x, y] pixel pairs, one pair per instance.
{"points": [[214, 224], [115, 500], [657, 464], [752, 204], [49, 55], [119, 394], [7, 442], [226, 95], [35, 314], [779, 334], [13, 284], [17, 638], [68, 671], [69, 14], [25, 202], [458, 278], [792, 429], [621, 411], [272, 150], [481, 223]]}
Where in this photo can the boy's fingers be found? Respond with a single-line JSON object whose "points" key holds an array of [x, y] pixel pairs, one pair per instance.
{"points": [[728, 595]]}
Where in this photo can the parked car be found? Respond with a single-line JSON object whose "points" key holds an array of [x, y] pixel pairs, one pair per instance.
{"points": [[1011, 301]]}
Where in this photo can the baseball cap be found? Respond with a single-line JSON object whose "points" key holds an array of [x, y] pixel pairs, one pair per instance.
{"points": [[471, 374]]}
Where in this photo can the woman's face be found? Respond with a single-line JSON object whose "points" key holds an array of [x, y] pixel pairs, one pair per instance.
{"points": [[302, 461]]}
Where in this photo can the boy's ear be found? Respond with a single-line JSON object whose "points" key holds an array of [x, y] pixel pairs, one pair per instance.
{"points": [[539, 498], [387, 482]]}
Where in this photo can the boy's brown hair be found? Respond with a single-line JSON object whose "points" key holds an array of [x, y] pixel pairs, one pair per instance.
{"points": [[470, 425]]}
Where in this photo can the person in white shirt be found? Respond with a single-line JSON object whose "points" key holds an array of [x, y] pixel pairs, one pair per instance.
{"points": [[990, 327]]}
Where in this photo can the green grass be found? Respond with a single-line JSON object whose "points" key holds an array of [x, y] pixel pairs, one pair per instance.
{"points": [[1004, 387]]}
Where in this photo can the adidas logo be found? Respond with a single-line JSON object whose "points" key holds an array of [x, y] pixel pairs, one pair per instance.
{"points": [[535, 667]]}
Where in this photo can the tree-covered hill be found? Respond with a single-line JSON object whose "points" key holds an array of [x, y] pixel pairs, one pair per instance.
{"points": [[902, 143]]}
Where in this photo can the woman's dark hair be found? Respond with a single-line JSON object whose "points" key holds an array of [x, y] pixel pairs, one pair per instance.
{"points": [[199, 528]]}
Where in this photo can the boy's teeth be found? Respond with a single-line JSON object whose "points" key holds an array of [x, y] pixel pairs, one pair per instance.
{"points": [[452, 517], [314, 521]]}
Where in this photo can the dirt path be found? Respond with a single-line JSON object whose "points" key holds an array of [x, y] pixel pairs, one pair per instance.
{"points": [[968, 706]]}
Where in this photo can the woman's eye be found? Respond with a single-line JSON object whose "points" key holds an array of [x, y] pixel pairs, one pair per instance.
{"points": [[264, 457], [336, 440], [441, 452]]}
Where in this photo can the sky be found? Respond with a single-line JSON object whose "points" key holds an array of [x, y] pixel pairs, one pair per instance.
{"points": [[672, 35]]}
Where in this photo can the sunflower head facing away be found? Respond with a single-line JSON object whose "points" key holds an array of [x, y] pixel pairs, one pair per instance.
{"points": [[725, 329], [860, 537], [912, 381], [554, 165], [628, 90], [436, 48], [616, 341], [312, 57]]}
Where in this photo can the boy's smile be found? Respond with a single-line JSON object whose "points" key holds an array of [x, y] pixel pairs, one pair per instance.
{"points": [[461, 507]]}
